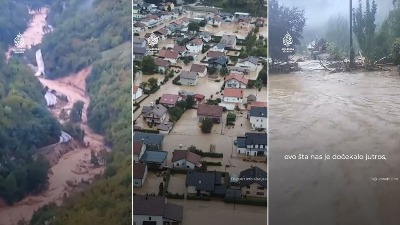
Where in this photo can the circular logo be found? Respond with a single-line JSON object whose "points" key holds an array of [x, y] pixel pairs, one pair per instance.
{"points": [[19, 41], [152, 40], [287, 39]]}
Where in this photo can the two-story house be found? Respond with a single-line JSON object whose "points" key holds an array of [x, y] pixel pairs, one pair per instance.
{"points": [[252, 144], [205, 183], [233, 95], [253, 182], [215, 21], [139, 53], [201, 70], [155, 210], [258, 118], [152, 141], [249, 63], [195, 45], [188, 78], [169, 100], [229, 41], [184, 159], [154, 114], [139, 42], [236, 81]]}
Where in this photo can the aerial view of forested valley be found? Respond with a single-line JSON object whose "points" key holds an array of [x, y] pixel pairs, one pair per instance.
{"points": [[65, 121]]}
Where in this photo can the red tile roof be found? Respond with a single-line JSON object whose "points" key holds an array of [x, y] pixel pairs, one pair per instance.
{"points": [[213, 54], [197, 41], [137, 147], [171, 54], [235, 76], [257, 104], [233, 92], [209, 110], [198, 68], [135, 89], [161, 62], [138, 170], [179, 48], [185, 154], [162, 53], [169, 99]]}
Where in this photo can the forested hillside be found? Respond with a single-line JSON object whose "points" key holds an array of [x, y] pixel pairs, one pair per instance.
{"points": [[25, 122], [97, 34]]}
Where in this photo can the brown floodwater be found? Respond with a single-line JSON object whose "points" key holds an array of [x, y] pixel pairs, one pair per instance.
{"points": [[316, 112]]}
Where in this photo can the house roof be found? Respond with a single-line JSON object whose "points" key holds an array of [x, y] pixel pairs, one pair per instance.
{"points": [[233, 92], [222, 60], [156, 206], [138, 40], [165, 126], [161, 62], [137, 147], [235, 76], [162, 53], [171, 54], [213, 54], [139, 50], [228, 39], [162, 31], [147, 35], [185, 19], [259, 112], [135, 89], [199, 96], [138, 170], [158, 110], [217, 18], [196, 41], [150, 156], [251, 59], [185, 154], [179, 48], [209, 110], [253, 175], [256, 138], [219, 46], [169, 99], [139, 24], [198, 68], [256, 104], [148, 138], [188, 75], [203, 181], [152, 16]]}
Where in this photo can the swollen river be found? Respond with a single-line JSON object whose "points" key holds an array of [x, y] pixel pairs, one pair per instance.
{"points": [[314, 112]]}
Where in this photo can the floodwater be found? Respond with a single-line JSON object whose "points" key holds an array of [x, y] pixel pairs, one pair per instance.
{"points": [[315, 112]]}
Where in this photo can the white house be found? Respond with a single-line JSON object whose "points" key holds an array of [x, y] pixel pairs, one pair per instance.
{"points": [[201, 70], [252, 144], [139, 173], [218, 47], [258, 118], [205, 36], [154, 114], [195, 45], [248, 63], [185, 159], [155, 210], [233, 95], [236, 81], [137, 92], [216, 21], [162, 64], [188, 78], [253, 182]]}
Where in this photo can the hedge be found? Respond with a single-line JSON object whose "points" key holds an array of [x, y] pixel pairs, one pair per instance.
{"points": [[180, 171], [207, 154], [193, 197], [174, 196], [212, 163], [246, 201]]}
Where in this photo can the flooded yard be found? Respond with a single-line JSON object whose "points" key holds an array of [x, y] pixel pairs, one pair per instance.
{"points": [[151, 184], [177, 184]]}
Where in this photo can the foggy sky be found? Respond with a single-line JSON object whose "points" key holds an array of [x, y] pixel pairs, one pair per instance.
{"points": [[318, 12]]}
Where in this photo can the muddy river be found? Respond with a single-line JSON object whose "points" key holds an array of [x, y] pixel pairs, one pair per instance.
{"points": [[316, 112]]}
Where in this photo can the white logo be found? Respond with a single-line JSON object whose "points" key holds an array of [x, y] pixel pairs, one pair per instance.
{"points": [[19, 41], [287, 40], [152, 40]]}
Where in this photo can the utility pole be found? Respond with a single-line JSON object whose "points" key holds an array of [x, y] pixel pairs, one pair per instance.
{"points": [[351, 36]]}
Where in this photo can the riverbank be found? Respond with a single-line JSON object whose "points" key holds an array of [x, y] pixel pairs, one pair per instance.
{"points": [[73, 166]]}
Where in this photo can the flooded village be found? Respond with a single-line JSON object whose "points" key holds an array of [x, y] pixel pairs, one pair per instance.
{"points": [[200, 116]]}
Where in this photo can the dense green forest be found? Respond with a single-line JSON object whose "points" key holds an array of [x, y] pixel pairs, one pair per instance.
{"points": [[83, 32], [25, 122], [96, 34]]}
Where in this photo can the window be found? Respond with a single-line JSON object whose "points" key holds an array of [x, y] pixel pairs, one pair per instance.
{"points": [[248, 187], [177, 164], [260, 193], [257, 120], [149, 218], [187, 166], [260, 188], [247, 192]]}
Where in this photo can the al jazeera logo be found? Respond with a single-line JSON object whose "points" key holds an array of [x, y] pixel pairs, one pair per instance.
{"points": [[152, 41], [287, 42], [19, 44]]}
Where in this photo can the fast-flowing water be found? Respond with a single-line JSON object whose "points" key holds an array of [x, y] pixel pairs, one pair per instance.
{"points": [[316, 112]]}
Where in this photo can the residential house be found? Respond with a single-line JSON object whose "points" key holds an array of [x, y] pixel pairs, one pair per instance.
{"points": [[253, 182], [205, 183], [165, 127], [155, 210], [233, 95], [258, 118], [218, 48], [138, 148], [162, 64], [251, 98], [138, 27], [152, 141], [236, 81], [139, 42], [185, 21], [252, 144], [138, 53], [150, 22], [184, 159], [155, 159], [201, 70], [180, 49], [169, 100], [205, 36], [215, 21], [154, 114], [195, 45], [218, 62], [199, 98], [248, 63], [171, 56], [169, 6], [136, 13], [256, 104], [260, 22], [137, 92], [229, 41], [147, 35], [162, 33], [214, 54], [188, 78], [139, 173], [213, 112]]}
